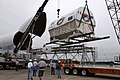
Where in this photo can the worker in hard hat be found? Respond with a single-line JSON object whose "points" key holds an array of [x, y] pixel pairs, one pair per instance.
{"points": [[35, 67], [41, 65], [52, 67], [17, 65], [58, 68], [30, 70]]}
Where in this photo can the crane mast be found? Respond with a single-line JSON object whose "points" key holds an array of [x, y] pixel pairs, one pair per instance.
{"points": [[113, 7]]}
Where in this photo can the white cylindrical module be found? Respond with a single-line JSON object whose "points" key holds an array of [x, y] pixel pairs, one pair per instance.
{"points": [[68, 25], [9, 41]]}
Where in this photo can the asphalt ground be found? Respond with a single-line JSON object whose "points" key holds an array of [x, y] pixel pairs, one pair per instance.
{"points": [[22, 75]]}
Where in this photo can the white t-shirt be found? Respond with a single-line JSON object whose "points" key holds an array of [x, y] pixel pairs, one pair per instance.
{"points": [[30, 65], [17, 62]]}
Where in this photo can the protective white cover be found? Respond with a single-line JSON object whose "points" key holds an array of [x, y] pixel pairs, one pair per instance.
{"points": [[69, 24]]}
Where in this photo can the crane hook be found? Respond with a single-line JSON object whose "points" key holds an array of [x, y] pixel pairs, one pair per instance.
{"points": [[58, 10]]}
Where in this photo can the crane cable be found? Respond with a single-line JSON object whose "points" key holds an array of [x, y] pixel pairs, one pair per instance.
{"points": [[58, 9]]}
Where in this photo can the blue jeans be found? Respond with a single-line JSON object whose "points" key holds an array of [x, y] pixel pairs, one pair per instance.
{"points": [[30, 73], [35, 70], [59, 73]]}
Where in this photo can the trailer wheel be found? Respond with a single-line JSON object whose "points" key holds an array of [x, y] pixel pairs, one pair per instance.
{"points": [[7, 66], [75, 71], [84, 72], [67, 71], [1, 66]]}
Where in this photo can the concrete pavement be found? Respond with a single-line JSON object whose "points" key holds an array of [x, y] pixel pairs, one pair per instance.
{"points": [[22, 75]]}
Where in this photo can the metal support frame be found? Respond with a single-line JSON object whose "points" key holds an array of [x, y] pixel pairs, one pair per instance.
{"points": [[75, 47], [113, 7], [75, 52]]}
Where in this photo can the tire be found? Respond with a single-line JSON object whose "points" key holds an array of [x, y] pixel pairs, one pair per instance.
{"points": [[7, 66], [75, 71], [84, 72], [67, 71], [1, 67]]}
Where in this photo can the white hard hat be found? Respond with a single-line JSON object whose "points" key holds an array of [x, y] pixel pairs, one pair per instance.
{"points": [[73, 59], [59, 61], [42, 57], [35, 59], [30, 60]]}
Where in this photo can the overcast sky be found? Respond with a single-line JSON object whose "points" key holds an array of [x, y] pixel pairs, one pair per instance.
{"points": [[13, 13]]}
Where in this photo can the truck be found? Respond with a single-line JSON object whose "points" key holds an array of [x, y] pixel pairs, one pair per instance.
{"points": [[10, 62], [91, 70]]}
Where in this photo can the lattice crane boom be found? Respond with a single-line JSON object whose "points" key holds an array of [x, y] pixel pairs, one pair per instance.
{"points": [[113, 7]]}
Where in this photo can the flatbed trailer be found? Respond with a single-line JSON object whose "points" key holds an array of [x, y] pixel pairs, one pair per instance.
{"points": [[91, 70], [11, 62], [7, 65]]}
